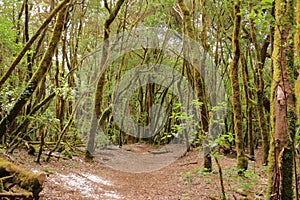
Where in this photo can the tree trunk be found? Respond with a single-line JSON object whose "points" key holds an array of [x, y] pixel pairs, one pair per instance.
{"points": [[282, 106], [101, 81], [27, 180], [297, 85], [260, 92], [242, 162], [198, 78], [248, 96]]}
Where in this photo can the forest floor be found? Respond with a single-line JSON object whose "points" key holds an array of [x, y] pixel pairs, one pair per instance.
{"points": [[182, 179]]}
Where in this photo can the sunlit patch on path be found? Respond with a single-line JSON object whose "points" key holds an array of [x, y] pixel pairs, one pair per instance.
{"points": [[87, 186]]}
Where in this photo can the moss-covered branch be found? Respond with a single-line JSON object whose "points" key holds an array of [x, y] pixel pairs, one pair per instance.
{"points": [[29, 181]]}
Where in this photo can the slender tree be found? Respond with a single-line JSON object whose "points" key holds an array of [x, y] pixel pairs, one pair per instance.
{"points": [[100, 84], [242, 162], [260, 57], [248, 96], [197, 78]]}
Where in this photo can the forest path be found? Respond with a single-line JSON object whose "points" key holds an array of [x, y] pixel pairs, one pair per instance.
{"points": [[133, 172], [181, 179]]}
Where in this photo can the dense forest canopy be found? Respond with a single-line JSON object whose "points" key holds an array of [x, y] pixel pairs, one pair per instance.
{"points": [[214, 75]]}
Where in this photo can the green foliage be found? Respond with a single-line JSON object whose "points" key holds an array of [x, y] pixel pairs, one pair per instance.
{"points": [[185, 197], [188, 176], [224, 140], [8, 46], [245, 182], [8, 35], [164, 138], [161, 14], [65, 91], [8, 95], [183, 121]]}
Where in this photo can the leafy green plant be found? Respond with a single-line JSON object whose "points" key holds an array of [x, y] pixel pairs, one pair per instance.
{"points": [[187, 177], [184, 121], [224, 140], [242, 183]]}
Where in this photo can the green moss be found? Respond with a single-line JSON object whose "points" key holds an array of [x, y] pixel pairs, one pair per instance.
{"points": [[287, 174], [67, 154], [207, 163], [27, 180], [271, 165], [297, 95]]}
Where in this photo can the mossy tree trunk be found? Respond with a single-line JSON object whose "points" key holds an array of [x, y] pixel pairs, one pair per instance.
{"points": [[200, 88], [283, 116], [100, 84], [242, 162], [260, 53], [297, 84], [297, 57], [29, 181], [249, 106], [198, 82]]}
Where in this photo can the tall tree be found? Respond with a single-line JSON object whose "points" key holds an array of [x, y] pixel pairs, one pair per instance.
{"points": [[283, 116], [248, 96], [197, 80], [242, 162], [100, 84], [260, 53]]}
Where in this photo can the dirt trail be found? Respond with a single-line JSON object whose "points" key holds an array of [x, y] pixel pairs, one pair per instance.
{"points": [[140, 158], [181, 179]]}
